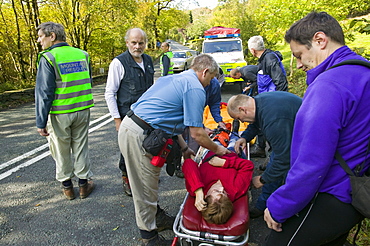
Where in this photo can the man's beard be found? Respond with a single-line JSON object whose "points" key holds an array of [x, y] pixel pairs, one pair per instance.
{"points": [[136, 53]]}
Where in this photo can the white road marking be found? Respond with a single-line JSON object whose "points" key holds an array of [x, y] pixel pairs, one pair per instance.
{"points": [[45, 154]]}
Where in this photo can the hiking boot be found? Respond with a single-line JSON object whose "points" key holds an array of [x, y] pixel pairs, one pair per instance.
{"points": [[263, 165], [179, 173], [68, 192], [86, 189], [255, 213], [163, 220], [126, 186], [157, 240], [257, 151]]}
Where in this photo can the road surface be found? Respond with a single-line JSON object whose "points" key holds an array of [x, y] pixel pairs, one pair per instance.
{"points": [[33, 210]]}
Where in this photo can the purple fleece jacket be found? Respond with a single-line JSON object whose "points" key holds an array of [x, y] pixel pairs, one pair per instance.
{"points": [[335, 115]]}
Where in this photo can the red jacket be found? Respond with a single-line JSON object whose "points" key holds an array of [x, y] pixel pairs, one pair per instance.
{"points": [[235, 175]]}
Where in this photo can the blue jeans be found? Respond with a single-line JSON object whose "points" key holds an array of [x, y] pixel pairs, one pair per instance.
{"points": [[268, 188]]}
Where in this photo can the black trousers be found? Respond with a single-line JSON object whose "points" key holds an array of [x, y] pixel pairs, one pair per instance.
{"points": [[325, 221], [261, 140], [122, 165]]}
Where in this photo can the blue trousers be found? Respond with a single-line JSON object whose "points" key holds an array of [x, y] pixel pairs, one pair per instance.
{"points": [[268, 188]]}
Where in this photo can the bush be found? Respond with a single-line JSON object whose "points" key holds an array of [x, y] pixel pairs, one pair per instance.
{"points": [[363, 238], [297, 83]]}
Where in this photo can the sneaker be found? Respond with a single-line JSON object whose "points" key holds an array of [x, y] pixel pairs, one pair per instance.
{"points": [[257, 151], [157, 240], [255, 213], [163, 220], [126, 186]]}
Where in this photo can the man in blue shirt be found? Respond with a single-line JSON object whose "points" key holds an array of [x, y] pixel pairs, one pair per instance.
{"points": [[213, 100], [171, 104]]}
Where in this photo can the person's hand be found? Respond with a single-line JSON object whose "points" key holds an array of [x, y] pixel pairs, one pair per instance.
{"points": [[217, 161], [241, 142], [246, 88], [207, 130], [271, 223], [43, 132], [222, 125], [117, 122], [221, 150], [200, 204], [188, 153], [256, 182]]}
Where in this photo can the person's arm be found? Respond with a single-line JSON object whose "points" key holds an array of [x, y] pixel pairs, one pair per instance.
{"points": [[193, 103], [186, 151], [311, 159], [44, 94], [166, 65], [249, 133], [193, 183], [277, 75], [243, 177], [115, 74], [214, 100], [202, 138], [192, 176]]}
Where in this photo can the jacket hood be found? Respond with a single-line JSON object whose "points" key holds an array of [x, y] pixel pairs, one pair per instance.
{"points": [[267, 51]]}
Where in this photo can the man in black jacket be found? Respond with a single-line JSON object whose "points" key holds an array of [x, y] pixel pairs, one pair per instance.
{"points": [[272, 113], [271, 76], [249, 75], [130, 75]]}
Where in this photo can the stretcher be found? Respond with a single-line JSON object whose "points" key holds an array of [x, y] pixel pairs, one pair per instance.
{"points": [[191, 229]]}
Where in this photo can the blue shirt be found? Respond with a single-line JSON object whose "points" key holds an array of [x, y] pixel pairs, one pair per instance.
{"points": [[213, 99], [173, 103]]}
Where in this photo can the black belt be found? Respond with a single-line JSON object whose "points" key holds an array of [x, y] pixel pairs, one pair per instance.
{"points": [[145, 126]]}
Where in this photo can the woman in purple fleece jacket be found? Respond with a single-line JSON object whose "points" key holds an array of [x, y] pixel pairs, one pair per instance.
{"points": [[314, 206]]}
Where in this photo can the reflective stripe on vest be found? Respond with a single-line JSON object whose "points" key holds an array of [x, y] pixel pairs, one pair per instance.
{"points": [[169, 54], [73, 82]]}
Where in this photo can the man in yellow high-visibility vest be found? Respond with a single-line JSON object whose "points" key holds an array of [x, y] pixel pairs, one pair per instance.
{"points": [[63, 99], [165, 61]]}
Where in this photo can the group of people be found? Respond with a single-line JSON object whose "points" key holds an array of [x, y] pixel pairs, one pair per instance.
{"points": [[306, 198]]}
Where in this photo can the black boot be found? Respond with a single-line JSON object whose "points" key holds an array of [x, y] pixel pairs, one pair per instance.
{"points": [[257, 151], [126, 185], [163, 220], [157, 240]]}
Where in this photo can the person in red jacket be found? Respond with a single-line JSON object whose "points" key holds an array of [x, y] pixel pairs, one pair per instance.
{"points": [[217, 183]]}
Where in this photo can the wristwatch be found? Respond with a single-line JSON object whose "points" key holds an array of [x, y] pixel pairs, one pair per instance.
{"points": [[262, 180]]}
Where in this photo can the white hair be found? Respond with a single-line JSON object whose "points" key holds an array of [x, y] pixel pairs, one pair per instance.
{"points": [[256, 42]]}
